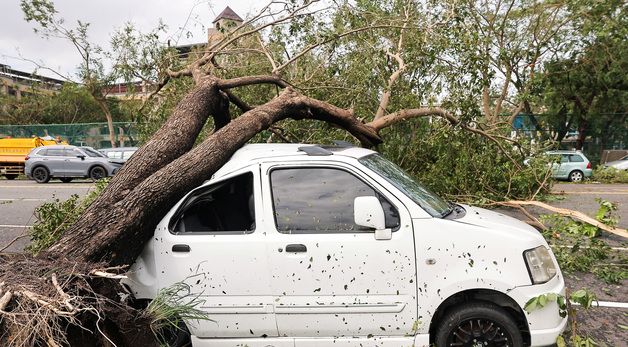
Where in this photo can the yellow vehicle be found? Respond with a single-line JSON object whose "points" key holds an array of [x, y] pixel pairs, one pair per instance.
{"points": [[13, 152]]}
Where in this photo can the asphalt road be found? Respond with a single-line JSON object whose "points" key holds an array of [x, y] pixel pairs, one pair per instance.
{"points": [[20, 198]]}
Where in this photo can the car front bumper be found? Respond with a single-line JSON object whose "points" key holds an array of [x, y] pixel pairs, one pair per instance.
{"points": [[545, 323]]}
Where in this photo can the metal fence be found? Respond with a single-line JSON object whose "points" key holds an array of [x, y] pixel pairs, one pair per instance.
{"points": [[81, 134]]}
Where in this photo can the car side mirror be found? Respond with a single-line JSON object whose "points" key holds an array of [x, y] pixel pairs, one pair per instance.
{"points": [[81, 156], [368, 212]]}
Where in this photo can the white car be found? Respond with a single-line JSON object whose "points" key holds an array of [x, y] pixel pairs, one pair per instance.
{"points": [[620, 164], [303, 245]]}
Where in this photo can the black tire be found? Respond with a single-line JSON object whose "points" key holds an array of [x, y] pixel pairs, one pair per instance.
{"points": [[41, 174], [66, 179], [97, 172], [478, 323], [576, 176], [10, 177]]}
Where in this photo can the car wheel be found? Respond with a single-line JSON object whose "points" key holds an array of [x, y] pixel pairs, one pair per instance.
{"points": [[11, 176], [576, 176], [97, 172], [66, 179], [41, 174], [478, 324]]}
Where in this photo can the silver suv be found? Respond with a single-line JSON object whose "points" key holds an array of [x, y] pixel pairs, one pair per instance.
{"points": [[68, 162]]}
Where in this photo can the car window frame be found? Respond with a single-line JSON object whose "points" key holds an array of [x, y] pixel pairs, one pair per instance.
{"points": [[325, 166], [176, 213]]}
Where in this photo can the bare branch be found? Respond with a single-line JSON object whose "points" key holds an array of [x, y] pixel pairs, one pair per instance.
{"points": [[385, 99]]}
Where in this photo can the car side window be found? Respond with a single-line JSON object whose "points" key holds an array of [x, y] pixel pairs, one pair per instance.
{"points": [[320, 200], [55, 152], [224, 207], [574, 158], [73, 153], [564, 158]]}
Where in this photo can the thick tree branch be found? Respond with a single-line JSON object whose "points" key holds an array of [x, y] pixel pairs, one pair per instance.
{"points": [[250, 80], [398, 116]]}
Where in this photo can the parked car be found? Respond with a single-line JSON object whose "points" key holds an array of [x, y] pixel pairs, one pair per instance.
{"points": [[621, 164], [68, 162], [571, 165], [119, 153], [302, 245]]}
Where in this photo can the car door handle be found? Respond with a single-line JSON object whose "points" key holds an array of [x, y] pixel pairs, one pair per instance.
{"points": [[296, 248], [180, 248]]}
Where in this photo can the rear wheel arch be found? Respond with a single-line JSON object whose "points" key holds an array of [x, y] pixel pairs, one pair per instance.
{"points": [[481, 295]]}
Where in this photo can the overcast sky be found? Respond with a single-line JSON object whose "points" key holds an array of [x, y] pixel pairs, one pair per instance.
{"points": [[18, 39]]}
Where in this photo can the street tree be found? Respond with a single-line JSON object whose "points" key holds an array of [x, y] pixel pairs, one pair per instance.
{"points": [[73, 282], [130, 59], [586, 88]]}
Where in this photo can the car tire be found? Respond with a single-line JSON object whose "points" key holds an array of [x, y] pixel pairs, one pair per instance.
{"points": [[11, 177], [97, 172], [66, 179], [478, 323], [576, 176], [41, 174]]}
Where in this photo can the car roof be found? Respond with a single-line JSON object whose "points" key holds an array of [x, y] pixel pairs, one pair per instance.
{"points": [[260, 152], [56, 147]]}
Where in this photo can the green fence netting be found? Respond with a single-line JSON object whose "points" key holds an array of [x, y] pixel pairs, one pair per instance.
{"points": [[81, 134]]}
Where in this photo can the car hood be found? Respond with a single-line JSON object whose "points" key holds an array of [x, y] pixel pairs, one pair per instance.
{"points": [[497, 221]]}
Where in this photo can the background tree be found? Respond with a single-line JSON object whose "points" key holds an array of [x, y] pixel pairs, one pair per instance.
{"points": [[586, 88], [131, 58]]}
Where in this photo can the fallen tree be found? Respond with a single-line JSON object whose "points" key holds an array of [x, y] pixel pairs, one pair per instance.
{"points": [[69, 294]]}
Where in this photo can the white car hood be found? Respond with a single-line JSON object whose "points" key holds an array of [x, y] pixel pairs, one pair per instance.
{"points": [[493, 220]]}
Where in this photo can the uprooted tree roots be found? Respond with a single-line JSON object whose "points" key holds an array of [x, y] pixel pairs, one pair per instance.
{"points": [[61, 302]]}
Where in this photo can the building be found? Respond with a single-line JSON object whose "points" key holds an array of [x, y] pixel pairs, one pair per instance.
{"points": [[19, 83], [226, 21]]}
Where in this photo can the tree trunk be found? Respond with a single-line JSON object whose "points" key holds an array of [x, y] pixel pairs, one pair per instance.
{"points": [[102, 103], [582, 133], [117, 233], [174, 138]]}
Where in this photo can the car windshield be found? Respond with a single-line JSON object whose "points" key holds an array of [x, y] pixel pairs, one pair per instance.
{"points": [[92, 153], [430, 202]]}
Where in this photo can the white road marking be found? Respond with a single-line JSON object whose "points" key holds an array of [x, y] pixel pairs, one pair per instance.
{"points": [[84, 186], [606, 304], [14, 226], [23, 199], [593, 193], [613, 248]]}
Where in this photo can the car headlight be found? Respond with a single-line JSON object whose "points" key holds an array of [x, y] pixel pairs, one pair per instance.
{"points": [[540, 264]]}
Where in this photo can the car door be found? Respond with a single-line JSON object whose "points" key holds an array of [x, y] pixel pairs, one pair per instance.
{"points": [[330, 277], [76, 162], [213, 243], [54, 160], [563, 166]]}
